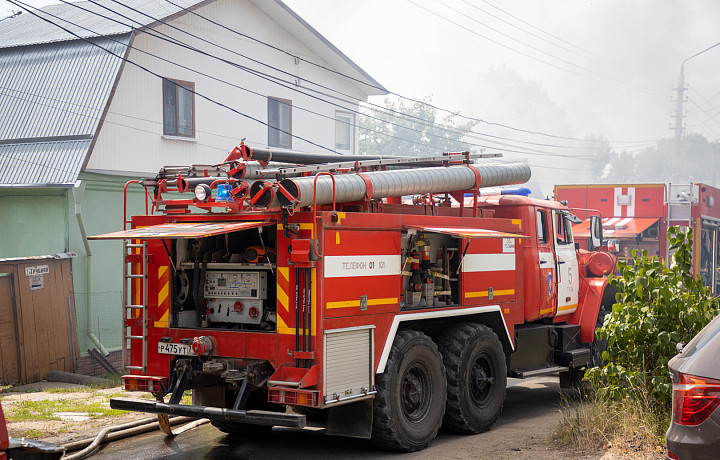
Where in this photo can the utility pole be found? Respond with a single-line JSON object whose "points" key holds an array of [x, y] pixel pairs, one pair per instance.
{"points": [[677, 157], [680, 99]]}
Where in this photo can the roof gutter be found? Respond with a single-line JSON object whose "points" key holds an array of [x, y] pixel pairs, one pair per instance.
{"points": [[26, 186]]}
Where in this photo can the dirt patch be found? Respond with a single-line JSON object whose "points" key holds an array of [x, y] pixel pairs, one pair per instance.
{"points": [[63, 412]]}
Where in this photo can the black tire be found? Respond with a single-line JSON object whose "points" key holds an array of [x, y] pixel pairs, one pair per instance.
{"points": [[476, 377], [410, 401]]}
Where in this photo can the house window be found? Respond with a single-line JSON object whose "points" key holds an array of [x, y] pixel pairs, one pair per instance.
{"points": [[279, 123], [178, 108], [344, 139]]}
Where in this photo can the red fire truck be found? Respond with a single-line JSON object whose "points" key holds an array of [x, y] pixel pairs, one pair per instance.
{"points": [[636, 216], [313, 287]]}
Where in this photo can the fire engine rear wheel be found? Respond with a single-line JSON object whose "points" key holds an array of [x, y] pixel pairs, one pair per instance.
{"points": [[410, 400], [476, 375]]}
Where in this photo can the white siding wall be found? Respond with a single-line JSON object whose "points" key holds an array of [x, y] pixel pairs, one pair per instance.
{"points": [[131, 139]]}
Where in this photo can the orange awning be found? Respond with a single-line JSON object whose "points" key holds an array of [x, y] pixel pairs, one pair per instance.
{"points": [[617, 227], [180, 230], [465, 232]]}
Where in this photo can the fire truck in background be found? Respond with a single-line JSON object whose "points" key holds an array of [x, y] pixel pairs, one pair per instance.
{"points": [[308, 284], [637, 216]]}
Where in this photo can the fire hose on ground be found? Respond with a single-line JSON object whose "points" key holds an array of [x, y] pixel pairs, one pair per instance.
{"points": [[113, 433]]}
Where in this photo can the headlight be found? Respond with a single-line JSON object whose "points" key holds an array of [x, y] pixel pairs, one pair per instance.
{"points": [[203, 192]]}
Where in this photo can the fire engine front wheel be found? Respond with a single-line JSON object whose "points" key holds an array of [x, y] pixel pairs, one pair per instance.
{"points": [[476, 376], [410, 400]]}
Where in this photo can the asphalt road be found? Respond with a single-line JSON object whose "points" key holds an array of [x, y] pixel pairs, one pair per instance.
{"points": [[524, 430]]}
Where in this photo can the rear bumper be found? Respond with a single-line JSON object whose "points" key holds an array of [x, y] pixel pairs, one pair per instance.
{"points": [[255, 417], [699, 442]]}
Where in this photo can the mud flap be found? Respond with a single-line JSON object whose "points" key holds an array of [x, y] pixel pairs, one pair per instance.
{"points": [[353, 420]]}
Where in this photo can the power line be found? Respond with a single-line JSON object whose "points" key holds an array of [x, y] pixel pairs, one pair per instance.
{"points": [[65, 29], [147, 70], [582, 52], [532, 47], [438, 108], [592, 73], [289, 85]]}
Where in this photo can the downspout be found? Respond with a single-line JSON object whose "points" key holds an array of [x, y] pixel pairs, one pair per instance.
{"points": [[78, 191]]}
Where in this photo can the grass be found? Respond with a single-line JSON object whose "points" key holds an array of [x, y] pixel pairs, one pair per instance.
{"points": [[45, 410], [33, 434], [594, 422]]}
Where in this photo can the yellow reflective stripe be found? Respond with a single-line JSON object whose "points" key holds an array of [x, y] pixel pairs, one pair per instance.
{"points": [[282, 327], [281, 294], [567, 307], [356, 303], [163, 320], [469, 295], [163, 293], [547, 310]]}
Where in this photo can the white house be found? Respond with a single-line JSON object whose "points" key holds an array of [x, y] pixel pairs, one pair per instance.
{"points": [[93, 94]]}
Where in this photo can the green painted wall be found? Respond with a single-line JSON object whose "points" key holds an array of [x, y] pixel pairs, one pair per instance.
{"points": [[99, 308], [44, 221], [34, 222]]}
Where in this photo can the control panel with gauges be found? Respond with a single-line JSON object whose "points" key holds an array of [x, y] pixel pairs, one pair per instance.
{"points": [[235, 296]]}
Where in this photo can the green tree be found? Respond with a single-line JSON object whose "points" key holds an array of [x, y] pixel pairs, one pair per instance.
{"points": [[411, 129], [657, 308]]}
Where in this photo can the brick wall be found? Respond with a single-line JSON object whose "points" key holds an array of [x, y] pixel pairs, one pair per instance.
{"points": [[87, 365]]}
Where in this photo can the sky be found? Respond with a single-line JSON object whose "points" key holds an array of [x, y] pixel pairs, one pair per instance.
{"points": [[556, 68]]}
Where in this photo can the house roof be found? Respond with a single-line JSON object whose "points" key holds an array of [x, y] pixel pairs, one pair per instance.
{"points": [[54, 87], [305, 33], [28, 29], [52, 163], [52, 97]]}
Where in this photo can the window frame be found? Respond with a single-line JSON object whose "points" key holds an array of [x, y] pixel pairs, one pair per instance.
{"points": [[542, 221], [279, 101], [351, 128], [563, 229], [188, 85]]}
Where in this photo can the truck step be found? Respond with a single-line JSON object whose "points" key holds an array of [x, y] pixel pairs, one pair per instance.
{"points": [[257, 417], [535, 372]]}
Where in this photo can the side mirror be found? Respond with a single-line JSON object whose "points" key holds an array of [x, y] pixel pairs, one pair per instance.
{"points": [[596, 235]]}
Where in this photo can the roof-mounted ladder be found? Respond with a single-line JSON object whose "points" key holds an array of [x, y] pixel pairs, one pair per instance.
{"points": [[132, 313]]}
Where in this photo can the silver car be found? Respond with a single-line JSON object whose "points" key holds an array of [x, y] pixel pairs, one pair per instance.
{"points": [[695, 429]]}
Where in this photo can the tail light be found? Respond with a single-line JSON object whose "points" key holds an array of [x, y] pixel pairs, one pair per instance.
{"points": [[694, 399]]}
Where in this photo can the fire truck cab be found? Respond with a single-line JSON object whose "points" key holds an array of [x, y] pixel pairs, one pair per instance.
{"points": [[387, 320]]}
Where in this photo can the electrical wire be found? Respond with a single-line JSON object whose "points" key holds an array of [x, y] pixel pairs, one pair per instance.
{"points": [[147, 70], [516, 40], [27, 7], [415, 101], [184, 45], [578, 50], [289, 85], [591, 75]]}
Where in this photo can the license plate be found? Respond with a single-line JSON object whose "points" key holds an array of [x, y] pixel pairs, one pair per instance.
{"points": [[175, 349]]}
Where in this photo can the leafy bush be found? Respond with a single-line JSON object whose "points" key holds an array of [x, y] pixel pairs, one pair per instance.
{"points": [[657, 308]]}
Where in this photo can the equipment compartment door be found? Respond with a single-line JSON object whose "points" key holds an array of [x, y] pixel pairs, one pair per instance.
{"points": [[361, 270], [567, 265]]}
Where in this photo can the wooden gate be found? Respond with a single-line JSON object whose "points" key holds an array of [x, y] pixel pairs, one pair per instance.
{"points": [[37, 318]]}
